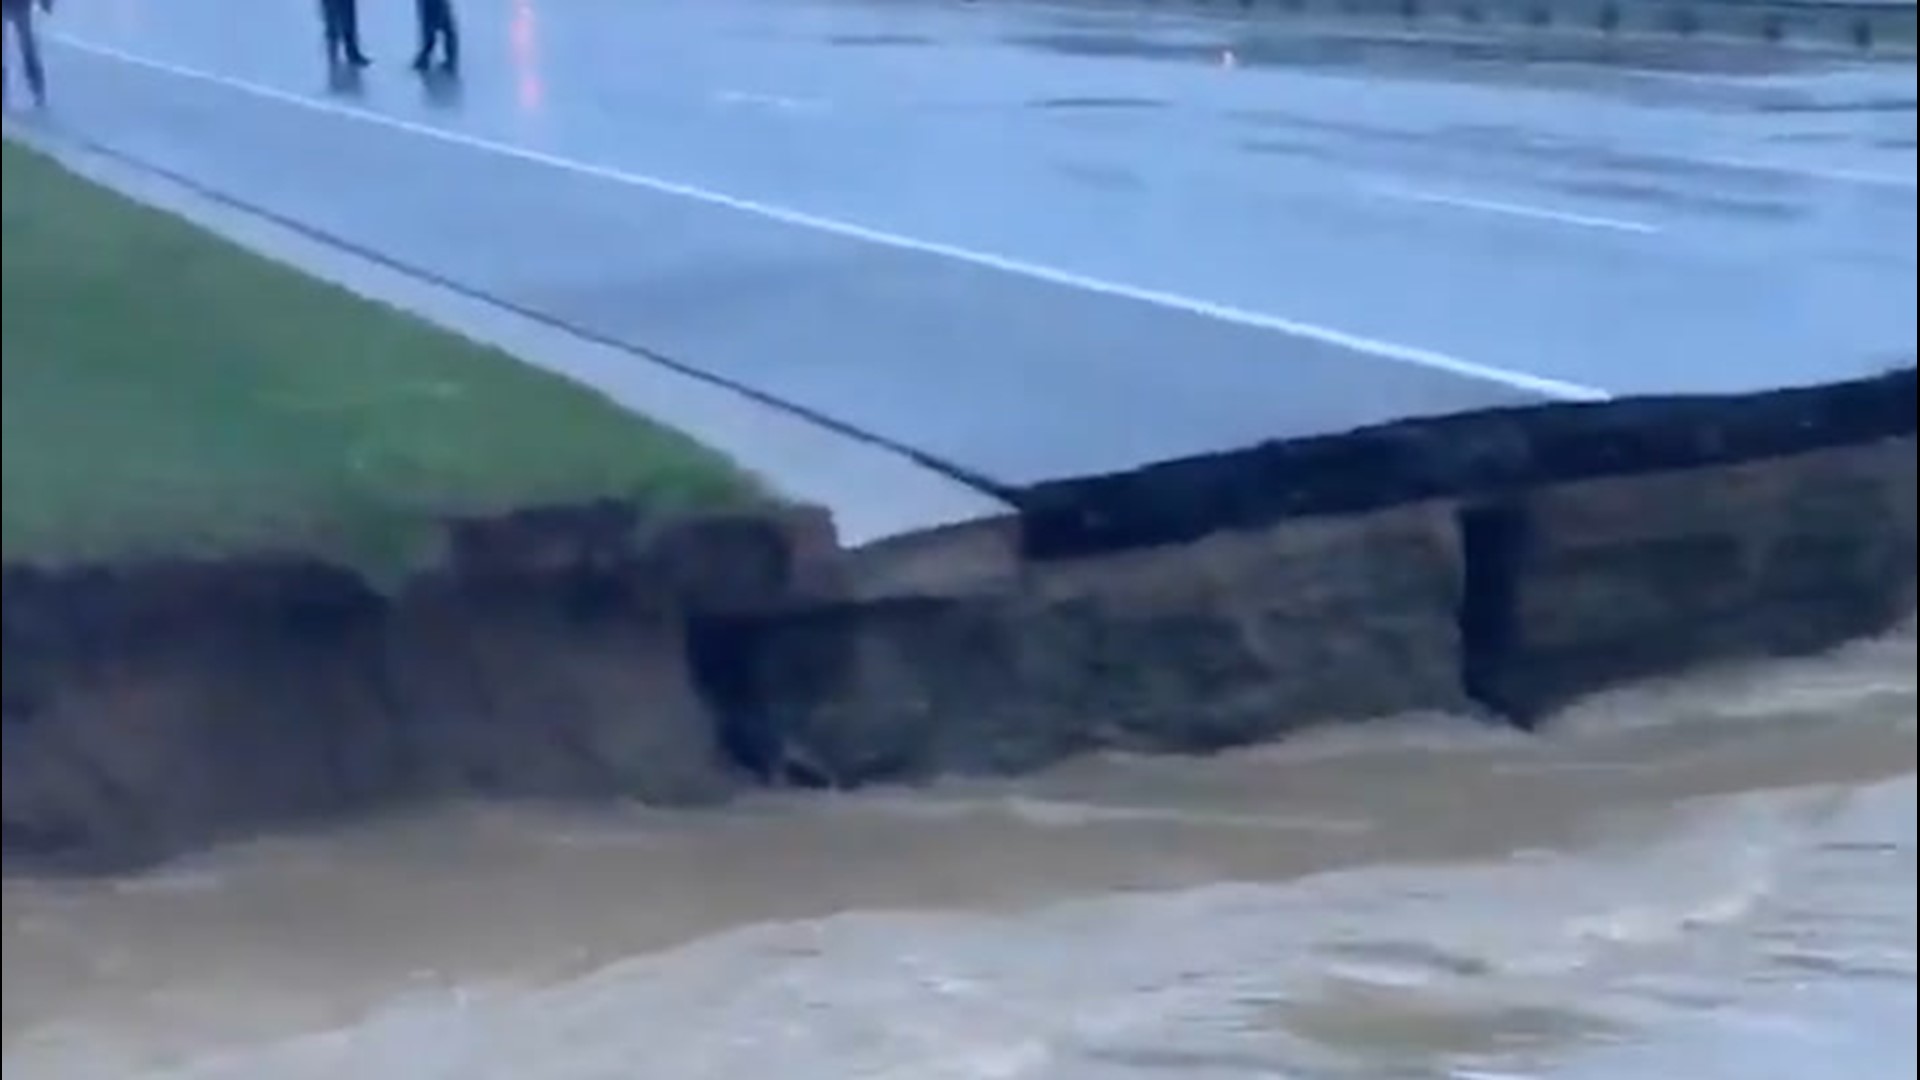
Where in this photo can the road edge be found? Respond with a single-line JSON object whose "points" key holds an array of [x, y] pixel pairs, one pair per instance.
{"points": [[873, 491]]}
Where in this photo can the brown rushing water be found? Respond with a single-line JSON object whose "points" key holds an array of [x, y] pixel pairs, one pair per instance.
{"points": [[1708, 878]]}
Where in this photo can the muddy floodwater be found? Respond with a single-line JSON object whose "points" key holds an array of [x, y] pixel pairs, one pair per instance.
{"points": [[1708, 878]]}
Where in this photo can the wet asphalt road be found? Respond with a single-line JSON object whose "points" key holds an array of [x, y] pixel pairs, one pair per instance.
{"points": [[1039, 242]]}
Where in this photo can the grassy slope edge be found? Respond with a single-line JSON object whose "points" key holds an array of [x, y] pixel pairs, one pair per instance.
{"points": [[170, 394]]}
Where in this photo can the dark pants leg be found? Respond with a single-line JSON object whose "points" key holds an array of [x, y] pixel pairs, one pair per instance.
{"points": [[437, 27], [351, 10], [20, 22], [449, 35], [341, 20], [330, 29]]}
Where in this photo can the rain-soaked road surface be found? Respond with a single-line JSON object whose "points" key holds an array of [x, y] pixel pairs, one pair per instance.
{"points": [[1038, 242]]}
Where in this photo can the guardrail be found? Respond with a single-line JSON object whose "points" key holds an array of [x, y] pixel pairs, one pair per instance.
{"points": [[1867, 25]]}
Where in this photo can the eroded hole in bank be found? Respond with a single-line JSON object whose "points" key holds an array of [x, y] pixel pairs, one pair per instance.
{"points": [[1493, 540]]}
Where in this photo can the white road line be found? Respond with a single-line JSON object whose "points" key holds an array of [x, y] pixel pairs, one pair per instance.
{"points": [[1409, 355], [771, 101], [1519, 210], [1861, 177]]}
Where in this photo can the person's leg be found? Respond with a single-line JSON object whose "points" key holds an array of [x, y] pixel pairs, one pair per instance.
{"points": [[437, 29], [350, 32], [423, 15], [20, 21], [449, 35], [330, 26]]}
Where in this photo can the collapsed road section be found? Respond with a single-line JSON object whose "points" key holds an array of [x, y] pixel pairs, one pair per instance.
{"points": [[1505, 561]]}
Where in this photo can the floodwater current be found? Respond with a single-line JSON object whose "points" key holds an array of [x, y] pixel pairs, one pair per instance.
{"points": [[1711, 877]]}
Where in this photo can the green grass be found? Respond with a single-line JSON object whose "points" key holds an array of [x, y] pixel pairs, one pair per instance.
{"points": [[169, 394]]}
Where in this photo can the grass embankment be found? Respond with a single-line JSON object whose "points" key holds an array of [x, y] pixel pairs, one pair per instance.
{"points": [[167, 393]]}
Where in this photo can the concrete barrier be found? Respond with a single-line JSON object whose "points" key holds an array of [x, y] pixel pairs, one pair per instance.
{"points": [[1886, 26]]}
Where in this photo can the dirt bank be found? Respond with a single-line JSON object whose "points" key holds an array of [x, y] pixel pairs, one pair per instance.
{"points": [[156, 707], [1508, 561], [1504, 561]]}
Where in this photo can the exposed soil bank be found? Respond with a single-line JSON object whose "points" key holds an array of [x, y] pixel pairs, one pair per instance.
{"points": [[151, 708], [1507, 560]]}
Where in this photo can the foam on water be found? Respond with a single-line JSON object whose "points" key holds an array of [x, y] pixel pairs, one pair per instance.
{"points": [[1343, 971], [1074, 814], [1863, 679]]}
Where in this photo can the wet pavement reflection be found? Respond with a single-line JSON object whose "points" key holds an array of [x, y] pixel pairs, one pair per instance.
{"points": [[529, 89], [441, 89], [955, 224]]}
